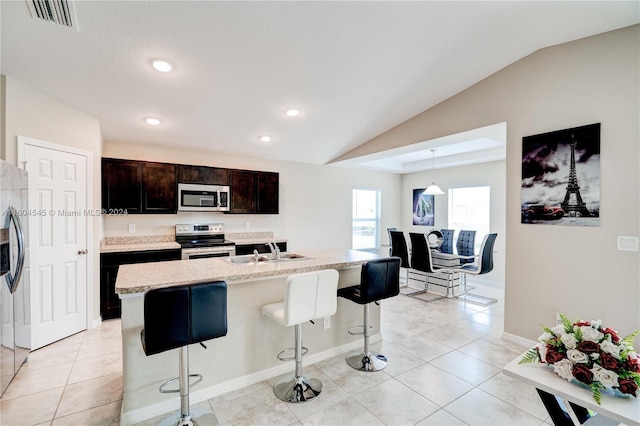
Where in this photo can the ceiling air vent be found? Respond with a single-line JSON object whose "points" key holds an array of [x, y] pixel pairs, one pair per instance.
{"points": [[57, 11]]}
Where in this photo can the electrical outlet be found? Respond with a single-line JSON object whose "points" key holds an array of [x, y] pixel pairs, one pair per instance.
{"points": [[627, 243], [327, 322], [132, 227], [247, 225]]}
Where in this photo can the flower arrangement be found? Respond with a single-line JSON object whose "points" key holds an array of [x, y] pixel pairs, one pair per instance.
{"points": [[591, 354]]}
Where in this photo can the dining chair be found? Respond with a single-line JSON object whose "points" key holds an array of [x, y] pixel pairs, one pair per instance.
{"points": [[390, 241], [447, 241], [481, 264], [399, 249], [464, 245], [421, 260]]}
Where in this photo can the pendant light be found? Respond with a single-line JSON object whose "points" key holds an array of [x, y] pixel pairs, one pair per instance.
{"points": [[433, 189]]}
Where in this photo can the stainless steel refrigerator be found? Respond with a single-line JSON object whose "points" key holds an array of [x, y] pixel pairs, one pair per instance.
{"points": [[15, 338]]}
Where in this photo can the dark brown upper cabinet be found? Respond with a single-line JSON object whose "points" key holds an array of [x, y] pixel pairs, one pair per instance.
{"points": [[138, 187], [267, 197], [254, 192], [159, 188], [202, 174], [121, 186]]}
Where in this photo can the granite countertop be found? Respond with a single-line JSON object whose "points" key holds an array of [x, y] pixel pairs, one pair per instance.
{"points": [[138, 278], [165, 242]]}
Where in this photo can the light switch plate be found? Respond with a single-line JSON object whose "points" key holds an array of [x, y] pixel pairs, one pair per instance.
{"points": [[627, 243], [132, 227]]}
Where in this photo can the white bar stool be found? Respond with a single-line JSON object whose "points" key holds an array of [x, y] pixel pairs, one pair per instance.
{"points": [[308, 296]]}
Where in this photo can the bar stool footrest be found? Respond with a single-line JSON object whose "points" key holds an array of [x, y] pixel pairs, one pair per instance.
{"points": [[175, 379], [356, 330], [281, 356]]}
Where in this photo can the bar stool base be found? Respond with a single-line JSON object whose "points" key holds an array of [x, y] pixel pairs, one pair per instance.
{"points": [[297, 389], [198, 417], [366, 361]]}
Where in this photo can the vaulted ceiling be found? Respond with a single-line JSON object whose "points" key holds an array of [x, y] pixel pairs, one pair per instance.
{"points": [[353, 69]]}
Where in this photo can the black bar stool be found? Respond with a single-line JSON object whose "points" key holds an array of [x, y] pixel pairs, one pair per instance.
{"points": [[175, 317], [379, 279]]}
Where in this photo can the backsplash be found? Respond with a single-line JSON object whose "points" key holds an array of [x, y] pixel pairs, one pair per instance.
{"points": [[140, 239]]}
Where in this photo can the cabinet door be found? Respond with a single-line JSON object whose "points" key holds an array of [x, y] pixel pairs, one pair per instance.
{"points": [[267, 200], [203, 175], [243, 193], [110, 306], [159, 188], [121, 185]]}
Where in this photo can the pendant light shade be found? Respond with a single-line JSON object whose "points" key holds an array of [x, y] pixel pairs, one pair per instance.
{"points": [[433, 189]]}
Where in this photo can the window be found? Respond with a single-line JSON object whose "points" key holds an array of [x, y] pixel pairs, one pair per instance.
{"points": [[365, 232], [470, 208]]}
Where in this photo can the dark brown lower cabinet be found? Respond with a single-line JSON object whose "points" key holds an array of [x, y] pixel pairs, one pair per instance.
{"points": [[110, 306], [262, 248]]}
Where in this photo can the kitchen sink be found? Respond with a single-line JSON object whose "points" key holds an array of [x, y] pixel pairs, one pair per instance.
{"points": [[250, 259]]}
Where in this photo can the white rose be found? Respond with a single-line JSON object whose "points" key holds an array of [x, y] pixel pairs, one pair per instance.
{"points": [[545, 336], [604, 376], [597, 324], [591, 334], [569, 340], [610, 348], [577, 357], [542, 349], [558, 330], [564, 368]]}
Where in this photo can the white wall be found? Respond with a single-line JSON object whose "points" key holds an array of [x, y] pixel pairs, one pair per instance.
{"points": [[549, 269], [488, 174], [315, 201], [35, 115]]}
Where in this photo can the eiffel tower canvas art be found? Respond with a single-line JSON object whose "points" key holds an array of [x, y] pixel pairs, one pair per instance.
{"points": [[561, 177]]}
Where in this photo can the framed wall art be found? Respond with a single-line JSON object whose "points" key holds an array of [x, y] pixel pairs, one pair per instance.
{"points": [[561, 177], [423, 210]]}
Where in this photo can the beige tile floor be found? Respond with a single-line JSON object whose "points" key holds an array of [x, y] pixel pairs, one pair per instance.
{"points": [[445, 360]]}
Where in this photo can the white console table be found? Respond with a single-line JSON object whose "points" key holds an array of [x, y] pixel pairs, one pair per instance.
{"points": [[622, 410]]}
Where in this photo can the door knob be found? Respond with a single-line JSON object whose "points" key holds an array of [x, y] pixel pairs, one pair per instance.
{"points": [[82, 252]]}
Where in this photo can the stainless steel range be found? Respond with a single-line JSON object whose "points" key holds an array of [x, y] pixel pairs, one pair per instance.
{"points": [[203, 240]]}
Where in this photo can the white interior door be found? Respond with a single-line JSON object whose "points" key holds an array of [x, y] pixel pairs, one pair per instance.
{"points": [[58, 241]]}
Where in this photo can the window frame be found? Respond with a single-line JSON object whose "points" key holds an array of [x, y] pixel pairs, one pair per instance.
{"points": [[376, 218]]}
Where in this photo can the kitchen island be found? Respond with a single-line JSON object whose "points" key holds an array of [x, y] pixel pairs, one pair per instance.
{"points": [[247, 354]]}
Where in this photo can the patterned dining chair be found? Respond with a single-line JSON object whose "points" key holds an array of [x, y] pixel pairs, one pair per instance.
{"points": [[464, 245]]}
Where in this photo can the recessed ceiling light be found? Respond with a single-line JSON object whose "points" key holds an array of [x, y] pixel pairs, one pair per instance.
{"points": [[292, 112], [161, 65], [265, 138], [152, 121]]}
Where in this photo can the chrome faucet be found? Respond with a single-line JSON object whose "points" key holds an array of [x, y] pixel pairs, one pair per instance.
{"points": [[256, 256], [275, 250]]}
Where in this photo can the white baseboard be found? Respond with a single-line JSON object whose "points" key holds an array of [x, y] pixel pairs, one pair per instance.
{"points": [[165, 407], [512, 338]]}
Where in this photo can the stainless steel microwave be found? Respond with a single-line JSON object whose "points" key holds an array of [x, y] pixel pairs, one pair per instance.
{"points": [[203, 198]]}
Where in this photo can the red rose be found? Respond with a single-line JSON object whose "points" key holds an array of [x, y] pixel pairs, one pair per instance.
{"points": [[582, 373], [582, 324], [633, 364], [627, 386], [608, 361], [614, 335], [588, 347], [553, 355]]}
